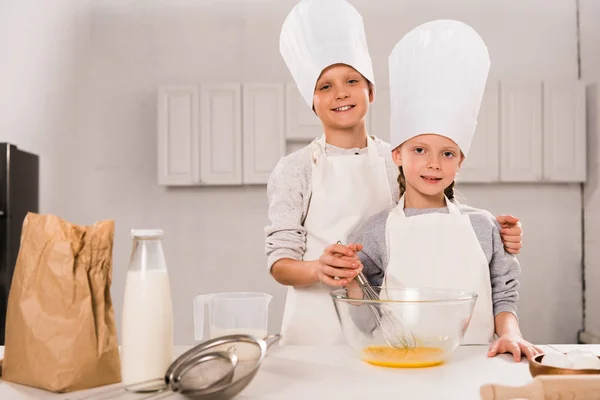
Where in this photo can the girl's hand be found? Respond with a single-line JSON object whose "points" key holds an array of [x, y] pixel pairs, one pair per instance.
{"points": [[515, 344], [338, 261]]}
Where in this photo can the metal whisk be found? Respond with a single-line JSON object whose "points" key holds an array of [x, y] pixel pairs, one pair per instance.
{"points": [[395, 331]]}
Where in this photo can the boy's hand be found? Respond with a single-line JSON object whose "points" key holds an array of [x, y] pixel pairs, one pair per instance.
{"points": [[515, 344], [355, 247], [511, 233], [338, 261]]}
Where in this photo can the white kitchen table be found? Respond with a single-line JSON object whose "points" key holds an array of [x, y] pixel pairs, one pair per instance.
{"points": [[311, 373]]}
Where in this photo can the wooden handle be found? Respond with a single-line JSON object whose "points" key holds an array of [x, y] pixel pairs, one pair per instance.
{"points": [[532, 391], [543, 387]]}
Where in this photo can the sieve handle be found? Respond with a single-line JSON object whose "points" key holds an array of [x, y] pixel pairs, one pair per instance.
{"points": [[112, 393], [272, 339]]}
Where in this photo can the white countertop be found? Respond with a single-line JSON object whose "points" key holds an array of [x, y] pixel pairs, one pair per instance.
{"points": [[294, 372]]}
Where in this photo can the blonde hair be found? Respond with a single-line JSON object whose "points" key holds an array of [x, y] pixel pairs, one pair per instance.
{"points": [[449, 191]]}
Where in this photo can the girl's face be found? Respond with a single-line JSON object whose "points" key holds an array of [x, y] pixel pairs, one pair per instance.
{"points": [[342, 97], [430, 163]]}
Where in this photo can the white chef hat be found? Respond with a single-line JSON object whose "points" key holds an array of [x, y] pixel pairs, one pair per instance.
{"points": [[320, 33], [438, 72]]}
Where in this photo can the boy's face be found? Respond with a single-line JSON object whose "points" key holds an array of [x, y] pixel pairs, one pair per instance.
{"points": [[342, 97], [430, 162]]}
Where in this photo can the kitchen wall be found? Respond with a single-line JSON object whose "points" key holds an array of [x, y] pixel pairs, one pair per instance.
{"points": [[40, 66], [590, 72], [81, 89]]}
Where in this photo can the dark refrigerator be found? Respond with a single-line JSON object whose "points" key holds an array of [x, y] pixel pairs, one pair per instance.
{"points": [[19, 194]]}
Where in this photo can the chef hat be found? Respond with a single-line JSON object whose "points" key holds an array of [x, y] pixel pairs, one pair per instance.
{"points": [[438, 72], [320, 33]]}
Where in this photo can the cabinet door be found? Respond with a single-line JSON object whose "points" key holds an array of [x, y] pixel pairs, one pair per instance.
{"points": [[483, 161], [564, 132], [178, 147], [220, 134], [264, 136], [302, 124], [520, 132]]}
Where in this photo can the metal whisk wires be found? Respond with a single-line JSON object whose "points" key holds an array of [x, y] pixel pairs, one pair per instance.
{"points": [[395, 331]]}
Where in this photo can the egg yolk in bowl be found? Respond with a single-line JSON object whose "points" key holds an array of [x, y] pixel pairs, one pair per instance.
{"points": [[418, 357]]}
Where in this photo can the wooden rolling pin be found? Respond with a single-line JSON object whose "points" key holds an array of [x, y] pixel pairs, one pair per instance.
{"points": [[547, 387]]}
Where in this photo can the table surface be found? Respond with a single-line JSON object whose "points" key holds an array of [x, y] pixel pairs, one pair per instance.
{"points": [[336, 372]]}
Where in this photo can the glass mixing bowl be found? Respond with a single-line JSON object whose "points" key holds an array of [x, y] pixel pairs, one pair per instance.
{"points": [[436, 319]]}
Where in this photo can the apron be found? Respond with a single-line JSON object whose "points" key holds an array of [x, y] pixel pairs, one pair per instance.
{"points": [[346, 191], [441, 251]]}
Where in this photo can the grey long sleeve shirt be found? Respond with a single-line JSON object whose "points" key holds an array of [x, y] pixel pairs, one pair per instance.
{"points": [[504, 267], [289, 189]]}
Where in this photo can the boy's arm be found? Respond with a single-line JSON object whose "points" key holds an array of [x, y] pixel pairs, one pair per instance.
{"points": [[285, 237], [511, 230]]}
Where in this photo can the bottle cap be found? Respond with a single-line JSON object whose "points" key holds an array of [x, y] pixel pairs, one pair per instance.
{"points": [[147, 233]]}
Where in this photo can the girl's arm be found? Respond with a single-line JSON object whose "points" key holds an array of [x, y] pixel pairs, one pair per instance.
{"points": [[504, 272], [371, 235], [510, 339], [507, 324]]}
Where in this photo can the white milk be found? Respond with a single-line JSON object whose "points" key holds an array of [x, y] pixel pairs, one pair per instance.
{"points": [[147, 326]]}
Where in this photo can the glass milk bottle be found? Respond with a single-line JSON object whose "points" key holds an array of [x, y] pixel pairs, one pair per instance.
{"points": [[147, 324]]}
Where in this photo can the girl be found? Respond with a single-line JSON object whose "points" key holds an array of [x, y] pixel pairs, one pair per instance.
{"points": [[322, 192], [438, 74]]}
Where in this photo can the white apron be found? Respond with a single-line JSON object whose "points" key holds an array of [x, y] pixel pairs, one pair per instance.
{"points": [[346, 191], [441, 251]]}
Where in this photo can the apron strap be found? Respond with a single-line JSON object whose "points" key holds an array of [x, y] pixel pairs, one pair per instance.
{"points": [[399, 209], [452, 208], [318, 149], [372, 150]]}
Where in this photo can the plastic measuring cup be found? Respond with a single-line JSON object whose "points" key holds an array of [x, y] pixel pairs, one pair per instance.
{"points": [[232, 313]]}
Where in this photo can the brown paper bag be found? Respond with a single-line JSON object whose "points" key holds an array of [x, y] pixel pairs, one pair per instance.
{"points": [[60, 323]]}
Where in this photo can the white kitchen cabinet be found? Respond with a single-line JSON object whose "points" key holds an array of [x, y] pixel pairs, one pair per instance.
{"points": [[220, 134], [564, 131], [521, 132], [178, 138], [526, 132], [483, 164], [234, 134], [302, 124], [263, 130], [483, 161]]}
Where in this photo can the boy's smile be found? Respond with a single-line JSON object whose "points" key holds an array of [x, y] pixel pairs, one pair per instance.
{"points": [[343, 108], [341, 97]]}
